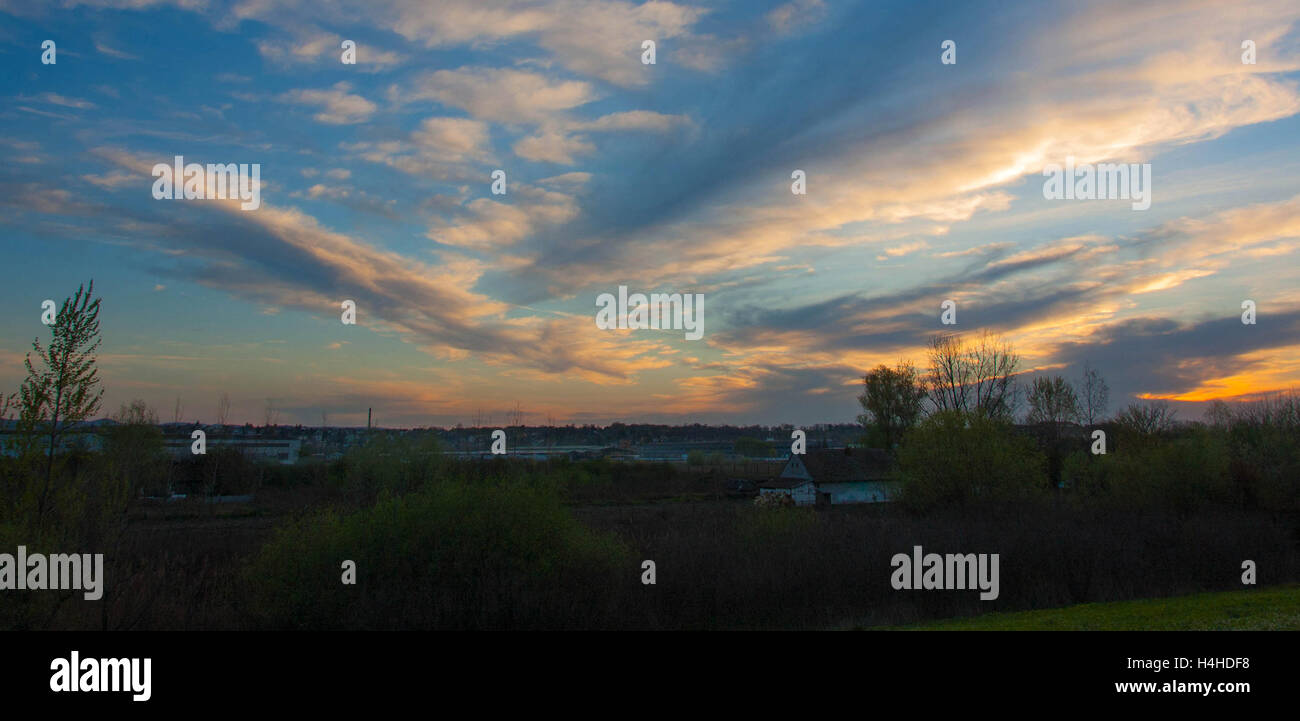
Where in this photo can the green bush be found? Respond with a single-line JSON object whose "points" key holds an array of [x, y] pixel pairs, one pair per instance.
{"points": [[387, 464], [482, 555], [1266, 460], [958, 460], [1178, 474]]}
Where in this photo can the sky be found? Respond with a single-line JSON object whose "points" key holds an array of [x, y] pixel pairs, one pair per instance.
{"points": [[924, 182]]}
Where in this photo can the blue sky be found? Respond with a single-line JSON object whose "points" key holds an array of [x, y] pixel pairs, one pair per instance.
{"points": [[924, 183]]}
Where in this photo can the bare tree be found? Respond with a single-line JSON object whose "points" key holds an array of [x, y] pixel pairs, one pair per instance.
{"points": [[972, 377], [65, 390], [1096, 395], [1281, 410], [223, 409], [1053, 400], [993, 383], [1053, 403], [1219, 414], [949, 374], [1147, 420]]}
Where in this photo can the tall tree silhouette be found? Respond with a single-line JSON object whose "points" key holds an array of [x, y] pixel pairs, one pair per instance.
{"points": [[64, 390]]}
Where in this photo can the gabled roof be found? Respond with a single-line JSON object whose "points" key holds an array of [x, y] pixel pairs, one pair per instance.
{"points": [[783, 483], [840, 465]]}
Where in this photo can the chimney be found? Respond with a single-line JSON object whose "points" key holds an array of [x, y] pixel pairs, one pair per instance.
{"points": [[369, 413]]}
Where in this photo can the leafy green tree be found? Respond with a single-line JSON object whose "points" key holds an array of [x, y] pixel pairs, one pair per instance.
{"points": [[892, 399], [64, 390], [963, 460]]}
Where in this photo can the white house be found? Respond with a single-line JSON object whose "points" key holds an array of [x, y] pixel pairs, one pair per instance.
{"points": [[835, 476]]}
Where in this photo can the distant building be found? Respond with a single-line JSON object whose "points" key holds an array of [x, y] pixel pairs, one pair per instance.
{"points": [[681, 451], [834, 476], [283, 451]]}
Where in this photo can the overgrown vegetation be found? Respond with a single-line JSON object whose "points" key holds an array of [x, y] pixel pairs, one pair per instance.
{"points": [[509, 544], [955, 461], [454, 555]]}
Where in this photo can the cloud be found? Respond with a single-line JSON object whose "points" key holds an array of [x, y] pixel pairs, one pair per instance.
{"points": [[114, 53], [338, 105], [795, 14], [597, 39], [308, 45], [453, 139], [111, 180], [572, 180], [66, 102], [1192, 361], [553, 146], [248, 253], [441, 149], [484, 223], [682, 182], [720, 202], [503, 95], [632, 120]]}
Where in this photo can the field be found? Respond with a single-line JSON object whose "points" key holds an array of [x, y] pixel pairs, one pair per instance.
{"points": [[499, 544], [1264, 609]]}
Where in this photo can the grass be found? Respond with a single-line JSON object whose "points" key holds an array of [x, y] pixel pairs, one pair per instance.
{"points": [[1265, 609]]}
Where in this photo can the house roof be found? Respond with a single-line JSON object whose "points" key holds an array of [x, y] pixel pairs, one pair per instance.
{"points": [[784, 483], [843, 465]]}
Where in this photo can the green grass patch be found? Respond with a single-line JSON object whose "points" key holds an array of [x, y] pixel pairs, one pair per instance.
{"points": [[1275, 608]]}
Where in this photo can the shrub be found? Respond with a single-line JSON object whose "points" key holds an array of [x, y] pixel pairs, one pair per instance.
{"points": [[489, 555], [1179, 474], [387, 465], [957, 460]]}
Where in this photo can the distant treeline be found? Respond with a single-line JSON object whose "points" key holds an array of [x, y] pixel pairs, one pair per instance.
{"points": [[952, 430]]}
